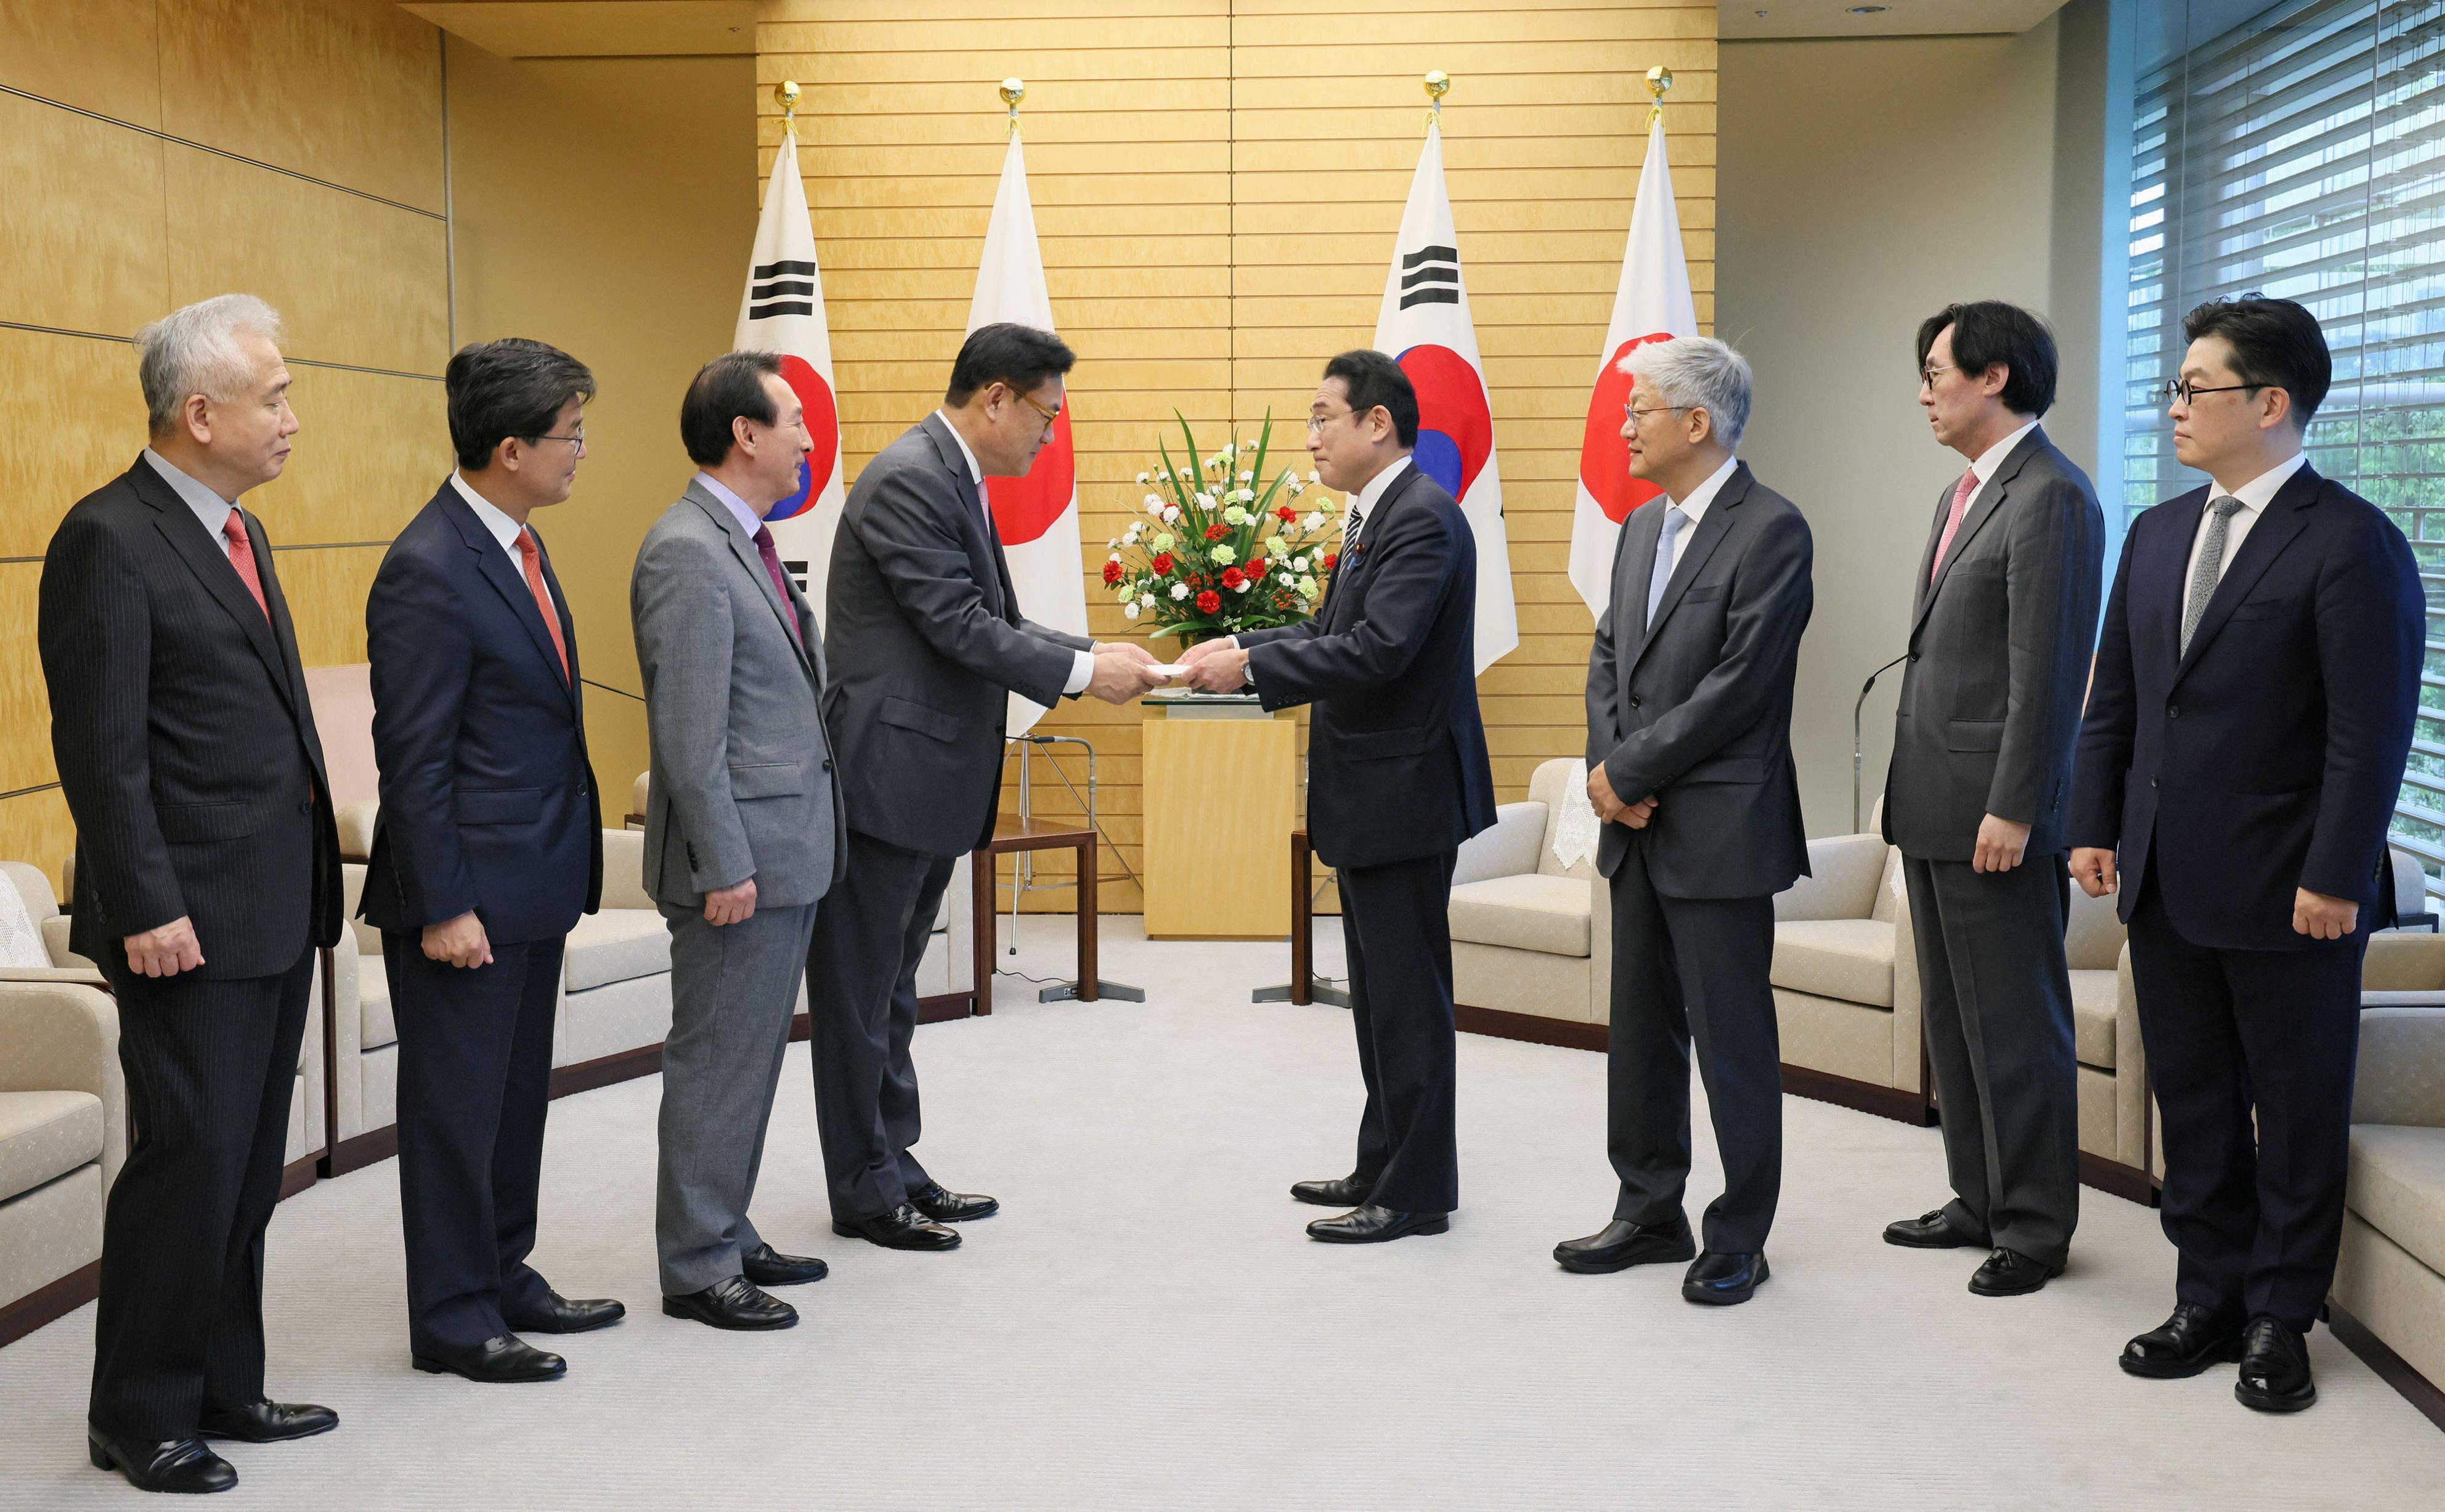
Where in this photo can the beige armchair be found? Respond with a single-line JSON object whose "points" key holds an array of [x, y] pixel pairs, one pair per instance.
{"points": [[1845, 973], [63, 1121], [2390, 1276], [1532, 944], [2113, 1070]]}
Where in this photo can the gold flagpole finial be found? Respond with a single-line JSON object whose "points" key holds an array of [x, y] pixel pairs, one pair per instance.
{"points": [[1013, 91], [1438, 85], [1659, 78], [785, 94]]}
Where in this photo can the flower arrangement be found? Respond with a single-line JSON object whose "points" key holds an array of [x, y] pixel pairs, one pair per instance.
{"points": [[1221, 547]]}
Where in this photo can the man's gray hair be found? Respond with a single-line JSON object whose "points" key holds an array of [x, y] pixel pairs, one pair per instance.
{"points": [[195, 350], [1698, 372]]}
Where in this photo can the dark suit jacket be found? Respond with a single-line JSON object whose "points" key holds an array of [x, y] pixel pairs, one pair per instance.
{"points": [[1999, 654], [924, 640], [1396, 755], [185, 746], [487, 802], [1697, 709], [2268, 759]]}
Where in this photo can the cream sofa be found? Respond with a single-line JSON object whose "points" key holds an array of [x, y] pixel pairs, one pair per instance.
{"points": [[1532, 948], [63, 1121], [2391, 1274]]}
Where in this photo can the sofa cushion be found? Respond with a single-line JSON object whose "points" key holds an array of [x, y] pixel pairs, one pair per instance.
{"points": [[2095, 996], [376, 1024], [44, 1134], [1529, 911], [1847, 958], [2397, 1185], [618, 944]]}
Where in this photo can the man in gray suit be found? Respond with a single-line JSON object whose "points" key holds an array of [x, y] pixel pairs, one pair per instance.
{"points": [[926, 642], [2005, 622], [742, 828], [1689, 766]]}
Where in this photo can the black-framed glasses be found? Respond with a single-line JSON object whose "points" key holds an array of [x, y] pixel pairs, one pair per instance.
{"points": [[2186, 391], [576, 439], [1927, 374]]}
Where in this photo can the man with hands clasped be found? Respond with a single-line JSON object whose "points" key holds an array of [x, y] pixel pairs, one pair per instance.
{"points": [[1688, 702], [1398, 777], [2256, 684]]}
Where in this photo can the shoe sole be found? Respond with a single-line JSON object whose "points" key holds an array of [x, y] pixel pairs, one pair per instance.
{"points": [[436, 1368], [1587, 1267], [102, 1460], [1329, 1202], [1976, 1290], [963, 1218], [912, 1249], [671, 1309], [1898, 1243], [790, 1280], [563, 1330], [1432, 1225], [276, 1438], [2228, 1355], [2262, 1402]]}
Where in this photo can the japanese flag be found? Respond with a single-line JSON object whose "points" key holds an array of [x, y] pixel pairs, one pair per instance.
{"points": [[1651, 305]]}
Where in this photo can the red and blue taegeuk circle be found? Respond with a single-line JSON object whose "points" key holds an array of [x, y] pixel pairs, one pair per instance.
{"points": [[823, 427], [1455, 428]]}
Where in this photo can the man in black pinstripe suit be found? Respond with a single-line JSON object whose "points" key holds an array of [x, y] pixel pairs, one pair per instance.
{"points": [[206, 873]]}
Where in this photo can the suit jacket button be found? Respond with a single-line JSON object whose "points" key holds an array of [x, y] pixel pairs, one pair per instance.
{"points": [[828, 763], [306, 806], [2151, 782], [1914, 656], [2172, 711], [1634, 700]]}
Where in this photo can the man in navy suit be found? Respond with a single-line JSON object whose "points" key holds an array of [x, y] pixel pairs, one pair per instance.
{"points": [[488, 848], [1397, 778], [2245, 739]]}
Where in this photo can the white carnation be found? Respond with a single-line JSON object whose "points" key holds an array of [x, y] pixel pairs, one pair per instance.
{"points": [[1314, 522], [1179, 590], [1314, 477], [1299, 564], [1247, 477], [1129, 611], [1146, 598], [1171, 515], [1144, 479]]}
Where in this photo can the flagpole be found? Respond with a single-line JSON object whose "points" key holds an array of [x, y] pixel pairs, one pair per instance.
{"points": [[1659, 78], [1013, 91], [785, 94], [1438, 85]]}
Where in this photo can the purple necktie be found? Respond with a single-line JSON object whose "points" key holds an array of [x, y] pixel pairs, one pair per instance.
{"points": [[780, 583]]}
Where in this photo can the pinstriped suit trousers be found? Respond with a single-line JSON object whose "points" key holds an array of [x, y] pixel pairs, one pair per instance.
{"points": [[211, 1068]]}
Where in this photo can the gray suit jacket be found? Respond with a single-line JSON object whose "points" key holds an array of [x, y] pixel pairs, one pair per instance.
{"points": [[1696, 708], [1999, 652], [926, 642], [743, 780]]}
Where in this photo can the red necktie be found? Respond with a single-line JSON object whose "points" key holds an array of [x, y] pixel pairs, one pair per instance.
{"points": [[533, 564], [1967, 486], [241, 554], [780, 583]]}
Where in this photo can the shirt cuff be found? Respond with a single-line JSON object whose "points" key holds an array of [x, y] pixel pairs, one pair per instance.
{"points": [[1081, 672]]}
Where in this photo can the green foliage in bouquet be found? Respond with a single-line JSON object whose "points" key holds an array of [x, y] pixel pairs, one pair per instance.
{"points": [[1219, 547]]}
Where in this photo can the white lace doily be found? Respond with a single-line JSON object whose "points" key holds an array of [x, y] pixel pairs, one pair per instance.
{"points": [[1575, 832]]}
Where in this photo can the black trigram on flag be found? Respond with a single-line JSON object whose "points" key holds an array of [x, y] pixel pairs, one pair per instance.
{"points": [[781, 288], [1430, 275]]}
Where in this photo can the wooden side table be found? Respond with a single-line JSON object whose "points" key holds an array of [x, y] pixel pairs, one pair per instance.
{"points": [[1305, 986], [1013, 836]]}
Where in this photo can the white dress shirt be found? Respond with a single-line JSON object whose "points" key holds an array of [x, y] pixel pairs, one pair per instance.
{"points": [[1083, 670], [1373, 494], [504, 529], [1991, 459], [212, 509], [2254, 496], [1703, 494]]}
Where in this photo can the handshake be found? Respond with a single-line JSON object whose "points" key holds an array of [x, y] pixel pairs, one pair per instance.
{"points": [[1125, 669]]}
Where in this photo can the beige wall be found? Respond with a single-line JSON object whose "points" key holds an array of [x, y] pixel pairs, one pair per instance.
{"points": [[1866, 184], [605, 206]]}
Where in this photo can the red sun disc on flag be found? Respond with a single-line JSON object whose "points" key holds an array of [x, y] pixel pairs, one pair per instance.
{"points": [[1455, 429], [823, 428], [1025, 507], [1604, 456]]}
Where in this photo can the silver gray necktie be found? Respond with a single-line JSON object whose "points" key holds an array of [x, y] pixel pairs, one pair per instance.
{"points": [[1668, 549], [2210, 569]]}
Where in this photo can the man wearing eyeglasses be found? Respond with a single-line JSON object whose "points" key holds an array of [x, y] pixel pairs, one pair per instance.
{"points": [[2255, 690], [926, 642], [488, 848], [2005, 613]]}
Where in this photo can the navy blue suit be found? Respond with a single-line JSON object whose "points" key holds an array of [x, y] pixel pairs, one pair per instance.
{"points": [[2265, 760], [487, 805], [1397, 778]]}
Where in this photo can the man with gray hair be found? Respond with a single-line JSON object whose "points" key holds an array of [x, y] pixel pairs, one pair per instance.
{"points": [[1690, 767], [208, 872]]}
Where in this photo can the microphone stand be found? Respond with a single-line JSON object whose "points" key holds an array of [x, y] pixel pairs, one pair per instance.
{"points": [[1857, 746]]}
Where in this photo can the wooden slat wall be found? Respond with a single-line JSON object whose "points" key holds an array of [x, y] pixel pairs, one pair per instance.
{"points": [[1217, 184], [323, 191]]}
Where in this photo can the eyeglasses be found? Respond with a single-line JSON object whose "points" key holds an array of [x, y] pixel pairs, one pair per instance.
{"points": [[578, 439], [1050, 415], [1927, 374], [1634, 417], [1315, 424], [2185, 391]]}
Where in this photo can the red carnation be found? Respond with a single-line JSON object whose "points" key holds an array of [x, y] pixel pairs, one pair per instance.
{"points": [[1112, 573], [1163, 564], [1286, 514], [1234, 578], [1332, 560], [1208, 602], [1259, 565], [1215, 533]]}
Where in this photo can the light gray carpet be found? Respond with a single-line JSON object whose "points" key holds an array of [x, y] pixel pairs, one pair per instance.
{"points": [[1146, 1326]]}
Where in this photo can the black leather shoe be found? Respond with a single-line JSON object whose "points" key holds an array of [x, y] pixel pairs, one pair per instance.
{"points": [[1723, 1279], [558, 1314], [172, 1465], [267, 1422], [1622, 1245], [497, 1361], [732, 1302], [2274, 1369], [2194, 1339], [1342, 1191], [1933, 1230], [767, 1266], [1370, 1225], [952, 1207], [2009, 1273], [903, 1227]]}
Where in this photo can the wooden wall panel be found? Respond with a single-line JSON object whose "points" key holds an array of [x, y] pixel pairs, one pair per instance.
{"points": [[326, 587], [25, 710], [98, 55], [105, 213], [1217, 184], [369, 451], [75, 421]]}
